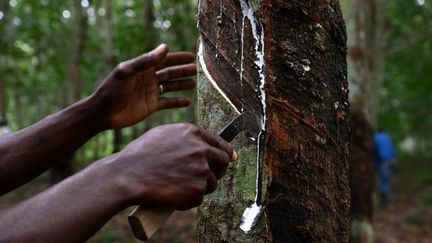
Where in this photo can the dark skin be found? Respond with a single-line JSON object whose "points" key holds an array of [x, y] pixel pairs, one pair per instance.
{"points": [[172, 165]]}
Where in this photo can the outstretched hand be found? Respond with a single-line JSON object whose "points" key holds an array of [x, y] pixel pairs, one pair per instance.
{"points": [[131, 91]]}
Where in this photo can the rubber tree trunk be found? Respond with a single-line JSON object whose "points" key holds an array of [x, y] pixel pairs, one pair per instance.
{"points": [[366, 53], [285, 61], [362, 177]]}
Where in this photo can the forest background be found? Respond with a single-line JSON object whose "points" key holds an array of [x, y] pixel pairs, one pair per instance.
{"points": [[53, 53]]}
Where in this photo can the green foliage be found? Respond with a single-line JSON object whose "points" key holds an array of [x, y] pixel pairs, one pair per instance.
{"points": [[407, 94], [413, 168], [427, 197], [35, 47]]}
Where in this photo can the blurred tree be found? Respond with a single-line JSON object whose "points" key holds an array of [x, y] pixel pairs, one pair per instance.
{"points": [[4, 7], [111, 58], [366, 53], [3, 119], [361, 177], [304, 103], [38, 61], [63, 168], [80, 22]]}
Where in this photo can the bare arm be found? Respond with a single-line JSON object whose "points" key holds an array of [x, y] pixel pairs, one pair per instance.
{"points": [[128, 95], [33, 150], [68, 206], [170, 166]]}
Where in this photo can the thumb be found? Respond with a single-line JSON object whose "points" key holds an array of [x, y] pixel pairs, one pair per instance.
{"points": [[144, 61]]}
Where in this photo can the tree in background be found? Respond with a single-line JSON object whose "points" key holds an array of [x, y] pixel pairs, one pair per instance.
{"points": [[37, 57], [35, 42], [361, 176], [3, 42], [3, 119], [285, 62], [366, 53], [63, 169]]}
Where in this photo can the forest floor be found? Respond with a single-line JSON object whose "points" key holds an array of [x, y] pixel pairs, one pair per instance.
{"points": [[407, 220]]}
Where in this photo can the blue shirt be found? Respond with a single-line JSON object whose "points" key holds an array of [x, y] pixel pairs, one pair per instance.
{"points": [[384, 149]]}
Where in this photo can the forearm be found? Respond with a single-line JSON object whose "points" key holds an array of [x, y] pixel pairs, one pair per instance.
{"points": [[31, 151], [71, 211]]}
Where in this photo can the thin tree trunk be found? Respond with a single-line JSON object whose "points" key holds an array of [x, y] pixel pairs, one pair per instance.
{"points": [[17, 95], [300, 89], [111, 60], [150, 33], [150, 38], [3, 119], [63, 169], [6, 21], [76, 51]]}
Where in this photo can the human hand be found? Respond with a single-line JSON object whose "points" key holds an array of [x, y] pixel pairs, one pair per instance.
{"points": [[131, 91], [173, 166]]}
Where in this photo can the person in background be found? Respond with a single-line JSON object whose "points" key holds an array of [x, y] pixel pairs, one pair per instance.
{"points": [[385, 155]]}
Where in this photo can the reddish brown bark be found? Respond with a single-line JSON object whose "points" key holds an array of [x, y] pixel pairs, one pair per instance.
{"points": [[366, 42], [307, 156], [306, 160], [362, 172], [221, 30]]}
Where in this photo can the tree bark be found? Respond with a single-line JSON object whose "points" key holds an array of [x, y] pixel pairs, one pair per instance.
{"points": [[63, 168], [366, 53], [362, 177], [3, 119], [3, 41], [111, 61], [151, 38], [302, 95], [76, 51], [17, 96]]}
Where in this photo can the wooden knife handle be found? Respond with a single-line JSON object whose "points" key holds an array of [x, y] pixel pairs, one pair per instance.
{"points": [[145, 222]]}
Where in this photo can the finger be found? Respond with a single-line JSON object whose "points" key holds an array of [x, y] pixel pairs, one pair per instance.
{"points": [[131, 67], [168, 103], [193, 201], [175, 72], [212, 184], [218, 161], [176, 58], [218, 142], [178, 85]]}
